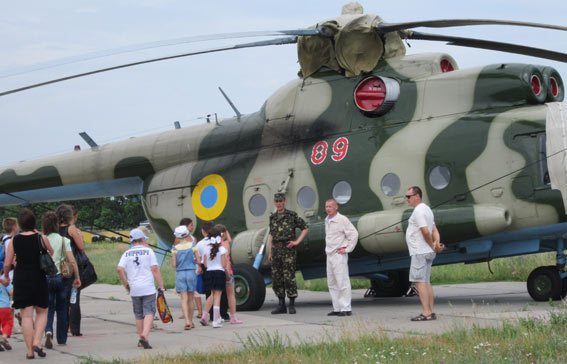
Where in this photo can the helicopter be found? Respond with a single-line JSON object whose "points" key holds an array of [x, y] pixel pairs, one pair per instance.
{"points": [[363, 121]]}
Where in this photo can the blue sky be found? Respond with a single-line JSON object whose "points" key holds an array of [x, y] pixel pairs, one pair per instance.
{"points": [[147, 99]]}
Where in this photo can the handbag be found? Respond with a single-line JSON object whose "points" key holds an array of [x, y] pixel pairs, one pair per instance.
{"points": [[46, 264], [200, 284], [87, 272], [66, 268]]}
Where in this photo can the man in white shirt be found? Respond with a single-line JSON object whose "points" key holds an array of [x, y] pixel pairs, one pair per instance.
{"points": [[423, 241], [140, 265], [340, 239]]}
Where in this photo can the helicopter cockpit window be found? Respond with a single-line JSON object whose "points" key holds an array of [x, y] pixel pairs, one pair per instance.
{"points": [[306, 197], [342, 192], [439, 177], [257, 205], [390, 184]]}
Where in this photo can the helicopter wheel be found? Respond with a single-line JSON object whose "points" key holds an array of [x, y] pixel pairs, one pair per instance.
{"points": [[249, 288], [396, 286], [545, 283]]}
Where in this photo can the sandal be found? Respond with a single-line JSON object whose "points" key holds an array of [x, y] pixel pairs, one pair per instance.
{"points": [[39, 351], [433, 316], [145, 344], [187, 327], [30, 356], [422, 317]]}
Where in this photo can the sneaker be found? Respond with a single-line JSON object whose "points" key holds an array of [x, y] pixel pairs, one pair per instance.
{"points": [[4, 343], [234, 320], [217, 323], [48, 340]]}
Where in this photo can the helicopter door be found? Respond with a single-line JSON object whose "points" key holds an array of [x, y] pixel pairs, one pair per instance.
{"points": [[257, 206], [556, 146]]}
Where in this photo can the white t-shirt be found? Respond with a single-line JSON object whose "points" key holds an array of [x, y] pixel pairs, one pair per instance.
{"points": [[422, 216], [137, 261], [215, 264], [202, 248]]}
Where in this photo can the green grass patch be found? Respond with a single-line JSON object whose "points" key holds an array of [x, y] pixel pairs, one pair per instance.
{"points": [[524, 341]]}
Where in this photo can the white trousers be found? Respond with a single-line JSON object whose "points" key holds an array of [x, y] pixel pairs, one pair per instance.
{"points": [[339, 281]]}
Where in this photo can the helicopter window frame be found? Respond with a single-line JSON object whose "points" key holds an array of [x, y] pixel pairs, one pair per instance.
{"points": [[256, 203], [390, 184], [439, 177], [306, 197], [342, 196]]}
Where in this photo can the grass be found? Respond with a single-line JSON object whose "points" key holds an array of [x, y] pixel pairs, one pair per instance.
{"points": [[105, 257], [532, 340]]}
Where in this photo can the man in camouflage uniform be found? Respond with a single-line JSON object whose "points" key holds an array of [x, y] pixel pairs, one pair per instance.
{"points": [[282, 255]]}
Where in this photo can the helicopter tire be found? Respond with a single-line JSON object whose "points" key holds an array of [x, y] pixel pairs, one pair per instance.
{"points": [[544, 283], [396, 286], [249, 288]]}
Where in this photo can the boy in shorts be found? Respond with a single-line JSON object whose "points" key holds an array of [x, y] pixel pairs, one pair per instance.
{"points": [[139, 265]]}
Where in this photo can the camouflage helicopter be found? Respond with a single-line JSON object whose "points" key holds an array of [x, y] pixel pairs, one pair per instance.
{"points": [[363, 122]]}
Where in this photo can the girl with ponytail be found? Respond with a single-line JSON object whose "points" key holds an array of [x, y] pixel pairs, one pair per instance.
{"points": [[215, 262]]}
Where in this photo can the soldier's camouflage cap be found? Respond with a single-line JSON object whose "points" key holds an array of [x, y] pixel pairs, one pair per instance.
{"points": [[279, 197]]}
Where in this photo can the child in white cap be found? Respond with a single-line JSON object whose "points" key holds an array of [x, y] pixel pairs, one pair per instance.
{"points": [[184, 256], [140, 265]]}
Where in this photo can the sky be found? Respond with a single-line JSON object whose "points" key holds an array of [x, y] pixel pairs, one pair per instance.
{"points": [[147, 99]]}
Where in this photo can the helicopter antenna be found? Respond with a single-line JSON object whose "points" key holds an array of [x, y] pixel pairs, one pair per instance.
{"points": [[86, 137], [177, 125], [238, 114]]}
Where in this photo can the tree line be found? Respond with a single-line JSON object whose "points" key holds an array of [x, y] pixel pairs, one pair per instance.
{"points": [[115, 213]]}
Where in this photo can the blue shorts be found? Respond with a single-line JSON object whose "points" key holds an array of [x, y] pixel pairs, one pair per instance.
{"points": [[185, 281]]}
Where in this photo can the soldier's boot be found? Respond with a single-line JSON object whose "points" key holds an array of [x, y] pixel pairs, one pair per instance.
{"points": [[281, 307], [292, 305]]}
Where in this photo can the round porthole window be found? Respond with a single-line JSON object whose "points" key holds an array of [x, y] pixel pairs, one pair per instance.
{"points": [[257, 205], [306, 197], [390, 184], [439, 177], [342, 192]]}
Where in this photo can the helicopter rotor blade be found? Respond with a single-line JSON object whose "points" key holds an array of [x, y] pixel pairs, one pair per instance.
{"points": [[320, 31], [276, 41], [486, 44], [448, 23]]}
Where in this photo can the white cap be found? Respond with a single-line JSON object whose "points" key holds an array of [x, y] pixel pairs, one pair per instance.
{"points": [[137, 234], [181, 232]]}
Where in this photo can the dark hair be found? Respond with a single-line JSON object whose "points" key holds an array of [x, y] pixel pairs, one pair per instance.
{"points": [[65, 214], [214, 232], [49, 223], [416, 190], [8, 224], [26, 220], [207, 225], [185, 221]]}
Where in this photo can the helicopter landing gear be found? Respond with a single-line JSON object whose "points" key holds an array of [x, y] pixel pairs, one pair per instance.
{"points": [[545, 283], [249, 288], [396, 285], [550, 282]]}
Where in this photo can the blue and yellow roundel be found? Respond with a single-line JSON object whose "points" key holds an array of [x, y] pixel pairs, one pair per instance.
{"points": [[209, 197]]}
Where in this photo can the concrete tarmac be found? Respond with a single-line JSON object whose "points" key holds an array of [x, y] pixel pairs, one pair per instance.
{"points": [[109, 328]]}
